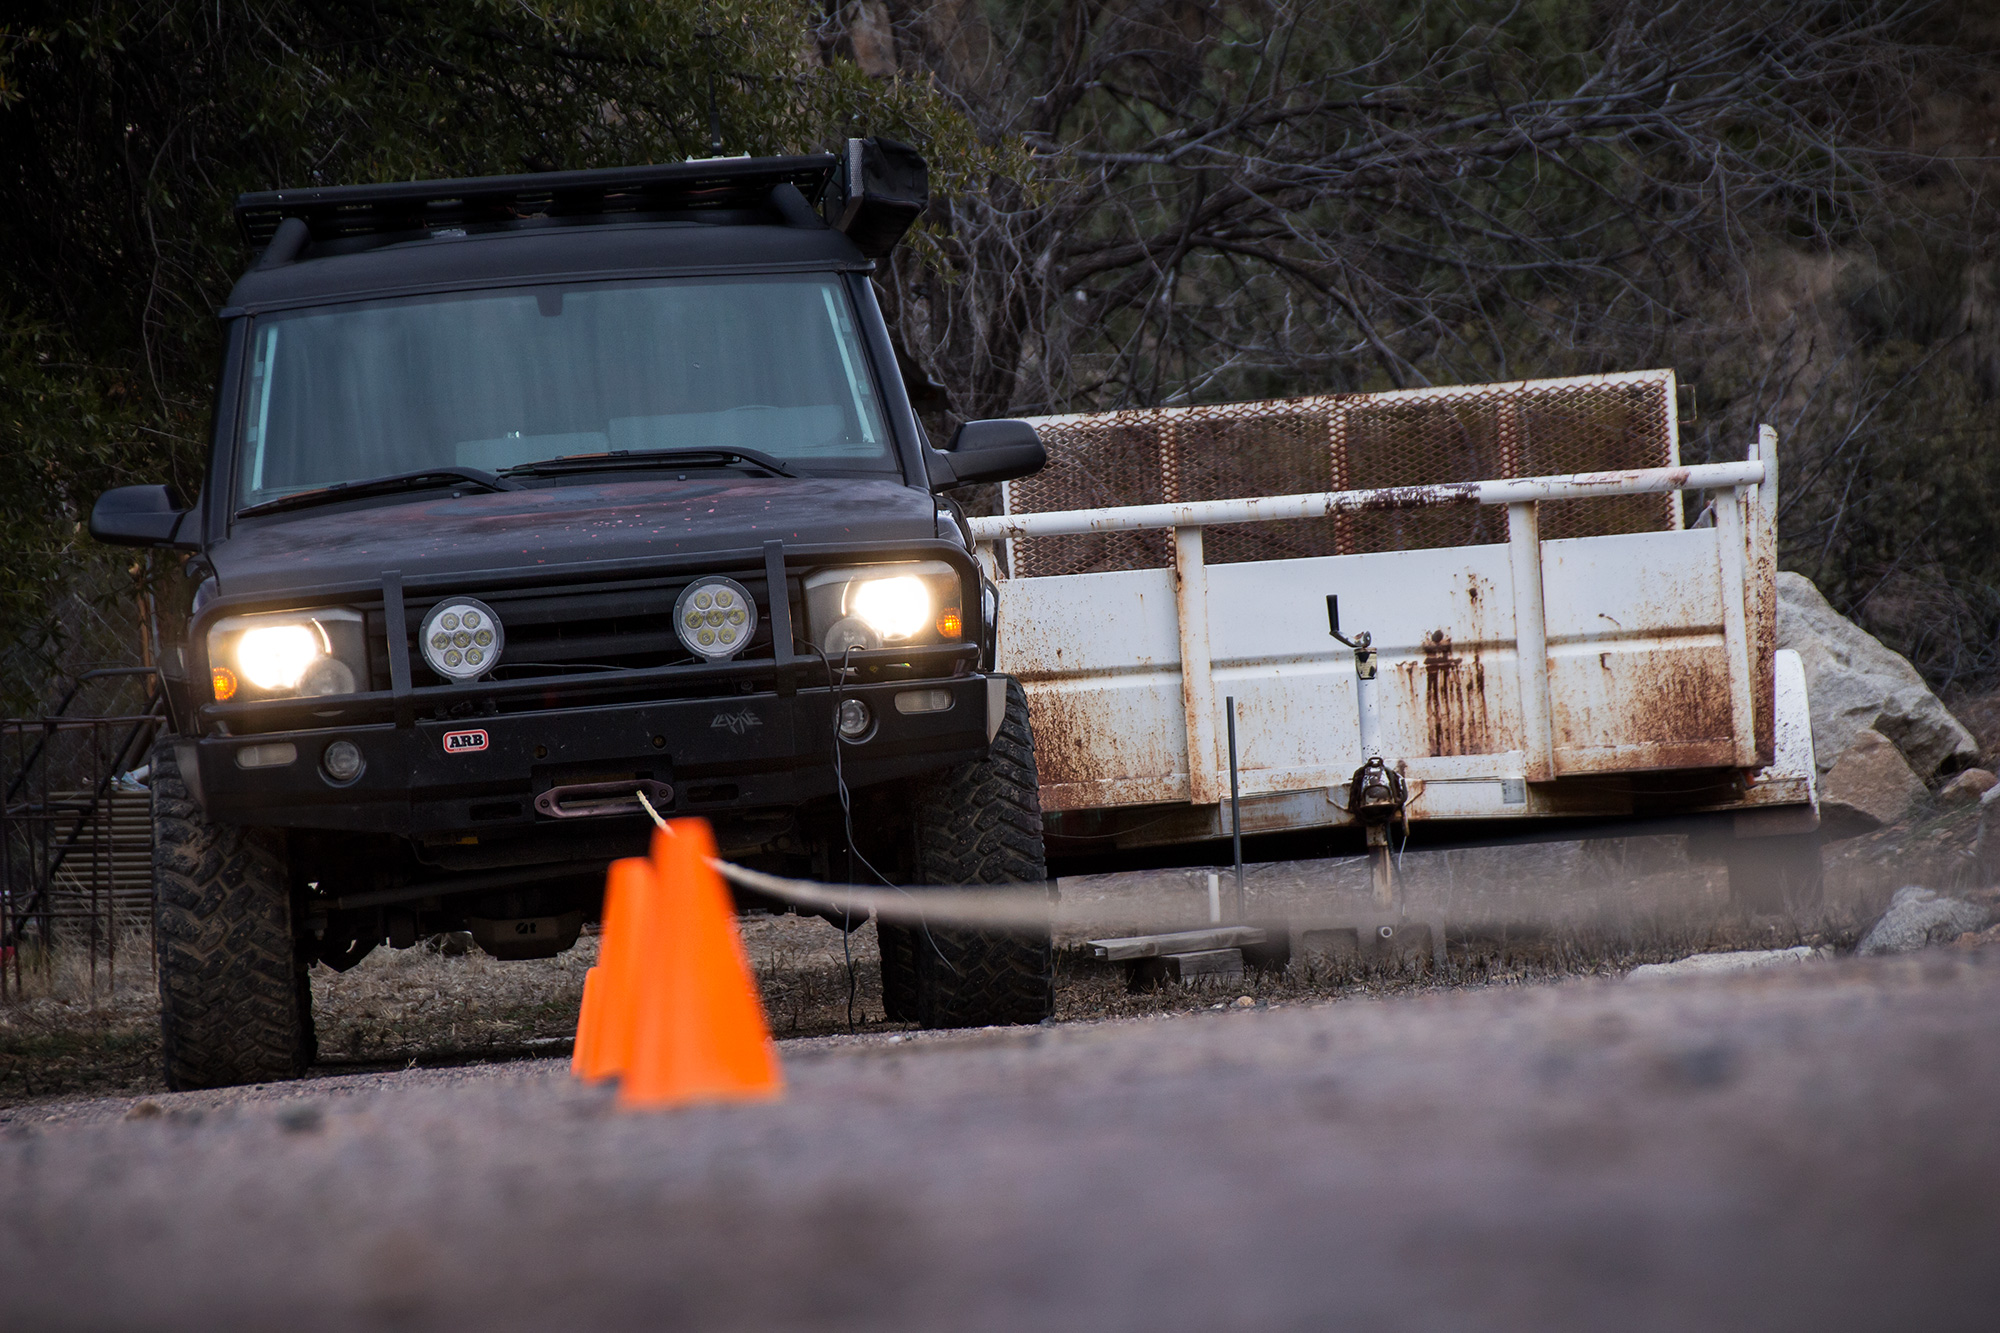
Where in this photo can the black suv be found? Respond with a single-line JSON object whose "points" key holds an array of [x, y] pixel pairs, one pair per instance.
{"points": [[530, 495]]}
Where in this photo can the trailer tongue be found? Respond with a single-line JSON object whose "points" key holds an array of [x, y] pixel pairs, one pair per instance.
{"points": [[1475, 647]]}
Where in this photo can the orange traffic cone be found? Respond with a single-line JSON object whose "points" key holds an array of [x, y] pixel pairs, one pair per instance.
{"points": [[589, 1021], [700, 1034], [606, 1026]]}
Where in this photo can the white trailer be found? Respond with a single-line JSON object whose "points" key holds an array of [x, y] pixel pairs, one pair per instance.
{"points": [[1480, 645]]}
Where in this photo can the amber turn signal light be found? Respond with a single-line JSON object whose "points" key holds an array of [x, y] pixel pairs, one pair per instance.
{"points": [[948, 624], [224, 681]]}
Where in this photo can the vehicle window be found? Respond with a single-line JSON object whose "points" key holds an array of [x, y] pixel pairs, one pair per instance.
{"points": [[497, 378]]}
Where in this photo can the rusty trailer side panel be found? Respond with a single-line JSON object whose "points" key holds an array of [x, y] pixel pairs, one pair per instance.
{"points": [[1645, 653], [1636, 667]]}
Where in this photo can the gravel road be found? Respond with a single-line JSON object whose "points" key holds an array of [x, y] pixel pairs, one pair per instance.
{"points": [[1812, 1147]]}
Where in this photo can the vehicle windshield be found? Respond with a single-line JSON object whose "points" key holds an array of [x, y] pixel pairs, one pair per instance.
{"points": [[494, 379]]}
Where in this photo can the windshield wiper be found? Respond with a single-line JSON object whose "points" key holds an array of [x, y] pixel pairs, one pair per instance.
{"points": [[648, 458], [401, 481]]}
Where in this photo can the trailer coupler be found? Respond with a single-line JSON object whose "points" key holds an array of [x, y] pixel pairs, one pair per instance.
{"points": [[1378, 797]]}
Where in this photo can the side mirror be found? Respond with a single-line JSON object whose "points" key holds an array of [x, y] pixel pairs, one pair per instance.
{"points": [[988, 451], [137, 516]]}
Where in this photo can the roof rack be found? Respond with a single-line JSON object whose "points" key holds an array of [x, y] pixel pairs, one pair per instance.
{"points": [[339, 211]]}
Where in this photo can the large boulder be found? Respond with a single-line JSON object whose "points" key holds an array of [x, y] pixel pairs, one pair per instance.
{"points": [[1870, 785], [1854, 684]]}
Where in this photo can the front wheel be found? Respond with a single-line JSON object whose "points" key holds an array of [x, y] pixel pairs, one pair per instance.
{"points": [[235, 1004], [980, 824]]}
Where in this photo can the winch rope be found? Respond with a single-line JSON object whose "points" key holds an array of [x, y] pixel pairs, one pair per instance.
{"points": [[1023, 905]]}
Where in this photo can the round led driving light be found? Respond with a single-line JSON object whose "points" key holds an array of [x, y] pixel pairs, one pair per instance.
{"points": [[461, 638], [715, 617]]}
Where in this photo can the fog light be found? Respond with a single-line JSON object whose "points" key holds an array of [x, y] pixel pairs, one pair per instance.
{"points": [[271, 754], [854, 719], [342, 761], [923, 701]]}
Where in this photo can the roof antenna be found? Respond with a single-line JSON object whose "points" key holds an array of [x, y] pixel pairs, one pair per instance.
{"points": [[714, 113]]}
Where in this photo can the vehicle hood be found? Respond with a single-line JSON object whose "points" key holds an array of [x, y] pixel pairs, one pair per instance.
{"points": [[563, 524]]}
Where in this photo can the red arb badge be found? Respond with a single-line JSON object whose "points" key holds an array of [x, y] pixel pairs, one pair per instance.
{"points": [[464, 742]]}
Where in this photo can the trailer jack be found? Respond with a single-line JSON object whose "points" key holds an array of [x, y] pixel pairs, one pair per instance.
{"points": [[1376, 795]]}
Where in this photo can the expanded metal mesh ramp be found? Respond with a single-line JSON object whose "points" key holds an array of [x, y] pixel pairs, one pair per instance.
{"points": [[1340, 442]]}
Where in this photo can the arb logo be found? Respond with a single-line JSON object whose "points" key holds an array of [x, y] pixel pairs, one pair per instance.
{"points": [[464, 742]]}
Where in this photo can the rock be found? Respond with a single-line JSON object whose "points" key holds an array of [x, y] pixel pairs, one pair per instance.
{"points": [[1986, 847], [1854, 684], [1917, 918], [872, 38], [1967, 787], [1740, 960], [1870, 786]]}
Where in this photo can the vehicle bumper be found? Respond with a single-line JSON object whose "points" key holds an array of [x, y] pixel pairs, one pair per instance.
{"points": [[719, 755]]}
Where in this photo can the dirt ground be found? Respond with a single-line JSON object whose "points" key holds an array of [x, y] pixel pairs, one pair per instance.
{"points": [[1803, 1148], [1521, 1137]]}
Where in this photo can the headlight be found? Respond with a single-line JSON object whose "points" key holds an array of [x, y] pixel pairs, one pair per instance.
{"points": [[287, 654], [462, 639], [877, 606], [715, 617], [273, 657]]}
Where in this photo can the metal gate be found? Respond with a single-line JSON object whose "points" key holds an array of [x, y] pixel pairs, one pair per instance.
{"points": [[76, 835]]}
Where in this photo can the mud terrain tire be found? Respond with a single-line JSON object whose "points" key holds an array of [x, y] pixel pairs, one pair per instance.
{"points": [[235, 1004], [981, 823], [899, 971]]}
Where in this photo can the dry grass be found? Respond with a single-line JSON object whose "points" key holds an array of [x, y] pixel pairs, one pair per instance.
{"points": [[70, 1027], [402, 1005]]}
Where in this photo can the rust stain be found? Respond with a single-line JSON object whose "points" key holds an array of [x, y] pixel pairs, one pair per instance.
{"points": [[1415, 497], [1062, 733], [1076, 741], [1673, 701], [1453, 697]]}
